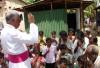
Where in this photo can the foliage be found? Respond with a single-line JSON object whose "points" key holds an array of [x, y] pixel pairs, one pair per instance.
{"points": [[90, 10], [30, 1]]}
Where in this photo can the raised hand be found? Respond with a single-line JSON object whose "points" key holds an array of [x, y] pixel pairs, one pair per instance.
{"points": [[31, 18]]}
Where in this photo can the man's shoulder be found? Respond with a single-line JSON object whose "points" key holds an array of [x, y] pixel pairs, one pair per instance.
{"points": [[7, 31], [3, 31]]}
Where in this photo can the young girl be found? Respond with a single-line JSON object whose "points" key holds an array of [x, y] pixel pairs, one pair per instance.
{"points": [[38, 60]]}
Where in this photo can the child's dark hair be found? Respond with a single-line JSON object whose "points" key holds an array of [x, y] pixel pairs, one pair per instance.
{"points": [[80, 34], [41, 32], [48, 39], [62, 46], [63, 33], [53, 32], [71, 30], [95, 40]]}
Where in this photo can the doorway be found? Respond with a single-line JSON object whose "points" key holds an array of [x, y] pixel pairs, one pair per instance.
{"points": [[71, 20]]}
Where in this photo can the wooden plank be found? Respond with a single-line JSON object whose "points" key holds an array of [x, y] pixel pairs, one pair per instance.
{"points": [[56, 4]]}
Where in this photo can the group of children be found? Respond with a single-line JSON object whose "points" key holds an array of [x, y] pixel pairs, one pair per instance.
{"points": [[67, 51]]}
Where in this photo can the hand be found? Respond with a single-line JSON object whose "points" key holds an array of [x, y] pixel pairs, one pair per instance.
{"points": [[31, 18]]}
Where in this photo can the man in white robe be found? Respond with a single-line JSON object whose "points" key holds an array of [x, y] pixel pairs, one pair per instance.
{"points": [[14, 41]]}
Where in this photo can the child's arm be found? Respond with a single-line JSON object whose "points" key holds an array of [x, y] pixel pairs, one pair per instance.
{"points": [[34, 59], [58, 56], [46, 53]]}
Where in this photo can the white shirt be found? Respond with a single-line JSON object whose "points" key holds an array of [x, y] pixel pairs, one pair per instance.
{"points": [[50, 57], [86, 42], [79, 51], [98, 37], [69, 44], [14, 42]]}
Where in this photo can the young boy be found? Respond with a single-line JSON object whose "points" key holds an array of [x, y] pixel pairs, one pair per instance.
{"points": [[65, 57], [54, 38], [49, 53]]}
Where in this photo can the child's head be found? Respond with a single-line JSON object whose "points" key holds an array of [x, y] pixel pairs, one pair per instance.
{"points": [[53, 34], [94, 40], [48, 41], [71, 32], [62, 47], [41, 33], [79, 34], [87, 33], [63, 35], [63, 63]]}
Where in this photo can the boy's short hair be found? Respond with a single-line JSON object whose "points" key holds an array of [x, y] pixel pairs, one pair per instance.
{"points": [[48, 39], [53, 32], [41, 32], [62, 46], [95, 40], [63, 33], [71, 30]]}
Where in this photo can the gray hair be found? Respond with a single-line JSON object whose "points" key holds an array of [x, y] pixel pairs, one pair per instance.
{"points": [[10, 15]]}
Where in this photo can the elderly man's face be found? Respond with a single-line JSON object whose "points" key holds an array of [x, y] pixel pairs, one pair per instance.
{"points": [[17, 21]]}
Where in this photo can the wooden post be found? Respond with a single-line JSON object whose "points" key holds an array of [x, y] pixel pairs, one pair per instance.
{"points": [[81, 15], [51, 5]]}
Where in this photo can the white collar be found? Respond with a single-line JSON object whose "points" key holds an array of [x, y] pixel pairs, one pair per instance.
{"points": [[9, 26]]}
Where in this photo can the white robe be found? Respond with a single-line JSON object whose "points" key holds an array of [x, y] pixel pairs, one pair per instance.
{"points": [[14, 42], [97, 62]]}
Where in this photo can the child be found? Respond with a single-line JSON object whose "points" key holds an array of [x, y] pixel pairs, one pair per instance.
{"points": [[49, 53], [54, 37], [71, 35], [65, 58], [38, 60]]}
